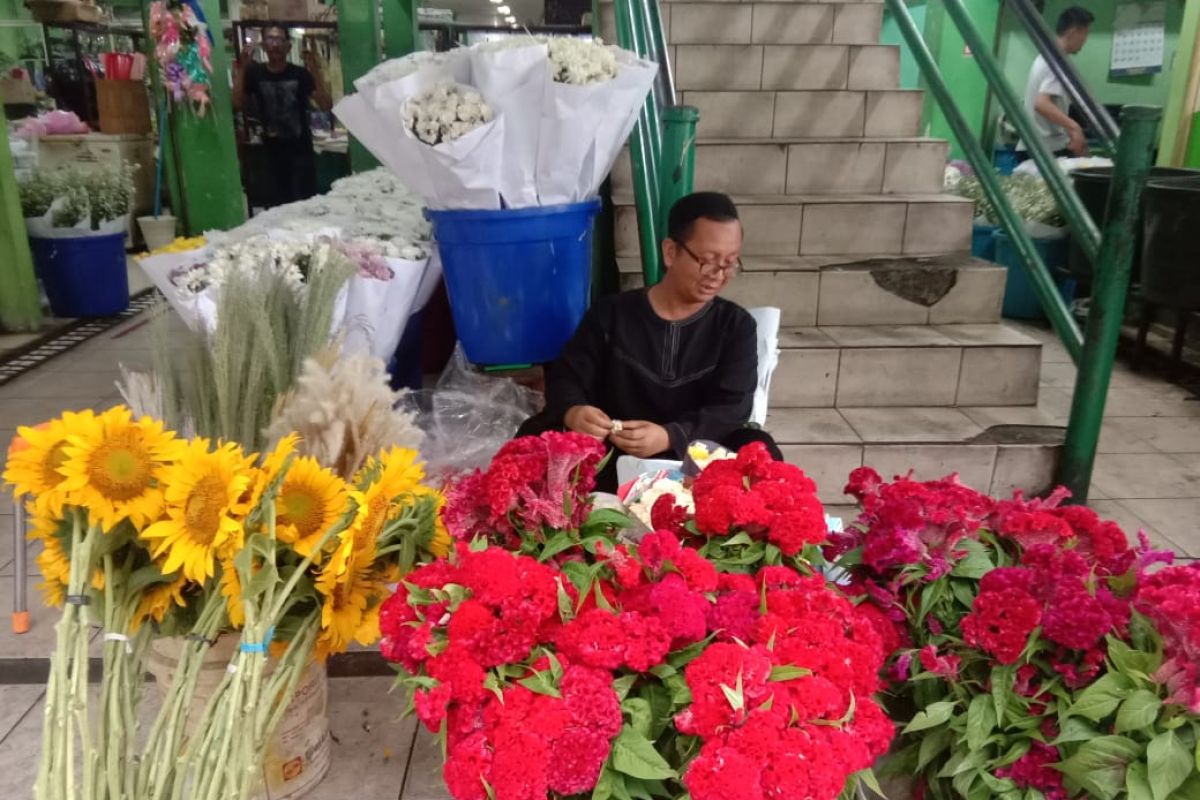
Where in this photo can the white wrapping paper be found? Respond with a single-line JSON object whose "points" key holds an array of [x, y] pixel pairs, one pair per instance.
{"points": [[583, 128]]}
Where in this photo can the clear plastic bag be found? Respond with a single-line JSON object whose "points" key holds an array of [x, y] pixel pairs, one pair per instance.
{"points": [[468, 416]]}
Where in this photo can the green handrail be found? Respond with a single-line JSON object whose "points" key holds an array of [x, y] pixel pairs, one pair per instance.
{"points": [[1094, 354], [663, 144], [1085, 232], [1043, 284]]}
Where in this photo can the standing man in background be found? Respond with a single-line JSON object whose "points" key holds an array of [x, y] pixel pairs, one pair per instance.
{"points": [[277, 94], [1046, 99]]}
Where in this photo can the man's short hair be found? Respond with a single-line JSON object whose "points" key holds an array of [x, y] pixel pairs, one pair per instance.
{"points": [[275, 26], [1074, 17], [713, 206]]}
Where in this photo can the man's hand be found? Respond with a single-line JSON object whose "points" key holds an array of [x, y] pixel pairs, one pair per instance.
{"points": [[641, 439], [589, 420], [246, 56], [1077, 143]]}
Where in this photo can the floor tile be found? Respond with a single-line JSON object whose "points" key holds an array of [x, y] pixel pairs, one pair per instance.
{"points": [[1177, 520], [19, 755], [1059, 375], [1148, 402], [1130, 522], [1144, 476], [371, 741], [15, 702], [1123, 435], [888, 336], [1164, 434], [910, 424], [828, 465], [423, 780], [987, 416]]}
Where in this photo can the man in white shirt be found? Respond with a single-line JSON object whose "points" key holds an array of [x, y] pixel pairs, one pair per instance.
{"points": [[1046, 99]]}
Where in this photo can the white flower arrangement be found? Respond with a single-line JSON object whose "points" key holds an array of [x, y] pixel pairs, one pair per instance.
{"points": [[641, 507], [395, 68], [580, 62], [256, 254], [445, 113]]}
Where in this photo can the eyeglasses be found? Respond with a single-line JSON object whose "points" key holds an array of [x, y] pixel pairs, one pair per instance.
{"points": [[274, 39], [710, 269]]}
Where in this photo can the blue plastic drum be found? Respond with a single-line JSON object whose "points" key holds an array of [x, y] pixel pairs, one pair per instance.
{"points": [[519, 280], [84, 276]]}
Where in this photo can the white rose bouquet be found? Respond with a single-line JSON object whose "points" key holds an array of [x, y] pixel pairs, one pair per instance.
{"points": [[446, 113]]}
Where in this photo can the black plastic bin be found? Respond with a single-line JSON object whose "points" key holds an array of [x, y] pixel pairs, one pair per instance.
{"points": [[1171, 253], [1092, 186]]}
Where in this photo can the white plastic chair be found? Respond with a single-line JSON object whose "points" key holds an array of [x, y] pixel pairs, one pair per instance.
{"points": [[767, 320]]}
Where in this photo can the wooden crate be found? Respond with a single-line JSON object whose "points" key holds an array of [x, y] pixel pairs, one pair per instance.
{"points": [[62, 11], [124, 106]]}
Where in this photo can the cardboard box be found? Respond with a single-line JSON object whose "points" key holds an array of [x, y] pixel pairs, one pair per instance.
{"points": [[62, 11], [17, 91], [124, 106], [288, 10]]}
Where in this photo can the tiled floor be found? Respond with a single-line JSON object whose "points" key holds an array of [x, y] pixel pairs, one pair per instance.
{"points": [[1147, 477]]}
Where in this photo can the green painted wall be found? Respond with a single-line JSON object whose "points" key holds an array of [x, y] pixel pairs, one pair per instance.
{"points": [[910, 73], [1017, 54]]}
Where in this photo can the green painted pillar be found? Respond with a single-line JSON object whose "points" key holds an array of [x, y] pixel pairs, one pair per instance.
{"points": [[206, 150], [162, 121], [358, 42], [20, 308], [401, 31]]}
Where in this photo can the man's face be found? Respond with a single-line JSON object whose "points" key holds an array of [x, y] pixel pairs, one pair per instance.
{"points": [[275, 42], [1075, 39], [702, 266]]}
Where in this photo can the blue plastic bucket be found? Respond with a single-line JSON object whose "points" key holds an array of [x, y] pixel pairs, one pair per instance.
{"points": [[983, 241], [519, 280], [1020, 301], [84, 276]]}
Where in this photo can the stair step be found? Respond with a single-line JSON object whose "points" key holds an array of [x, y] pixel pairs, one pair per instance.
{"points": [[942, 290], [828, 443], [917, 365], [812, 114], [787, 67], [837, 166], [814, 225]]}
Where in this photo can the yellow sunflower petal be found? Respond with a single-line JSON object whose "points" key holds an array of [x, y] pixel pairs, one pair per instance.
{"points": [[310, 500], [157, 600], [202, 500], [114, 467], [36, 456]]}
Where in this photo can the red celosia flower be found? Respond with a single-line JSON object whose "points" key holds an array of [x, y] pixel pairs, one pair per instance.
{"points": [[1000, 622], [1033, 771], [945, 666], [665, 515]]}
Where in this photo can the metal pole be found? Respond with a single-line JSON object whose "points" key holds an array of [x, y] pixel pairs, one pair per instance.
{"points": [[1047, 44], [1082, 226], [665, 81], [1043, 285], [358, 42], [20, 613], [678, 158], [1139, 126], [641, 152]]}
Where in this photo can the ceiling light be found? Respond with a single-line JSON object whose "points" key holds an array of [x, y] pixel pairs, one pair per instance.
{"points": [[497, 2], [511, 20], [505, 10]]}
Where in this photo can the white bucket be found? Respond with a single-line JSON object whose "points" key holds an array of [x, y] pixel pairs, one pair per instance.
{"points": [[297, 756], [157, 231]]}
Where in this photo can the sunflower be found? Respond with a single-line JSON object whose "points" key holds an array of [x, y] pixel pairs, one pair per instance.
{"points": [[36, 455], [158, 599], [272, 464], [310, 500], [393, 478], [114, 467], [55, 566], [203, 512], [440, 541], [349, 609], [231, 590]]}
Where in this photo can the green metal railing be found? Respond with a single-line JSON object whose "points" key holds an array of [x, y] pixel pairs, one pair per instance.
{"points": [[1111, 250], [663, 143]]}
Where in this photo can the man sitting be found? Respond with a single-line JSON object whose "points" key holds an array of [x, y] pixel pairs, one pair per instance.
{"points": [[654, 369]]}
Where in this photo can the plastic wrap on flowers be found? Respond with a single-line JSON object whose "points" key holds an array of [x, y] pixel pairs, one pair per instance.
{"points": [[182, 46], [580, 664], [1031, 644]]}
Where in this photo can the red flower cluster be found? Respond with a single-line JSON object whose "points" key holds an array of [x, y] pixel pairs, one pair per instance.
{"points": [[533, 483], [1033, 771], [770, 730], [767, 499], [1171, 598]]}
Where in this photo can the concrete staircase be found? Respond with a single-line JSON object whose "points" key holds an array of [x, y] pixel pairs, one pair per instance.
{"points": [[893, 345]]}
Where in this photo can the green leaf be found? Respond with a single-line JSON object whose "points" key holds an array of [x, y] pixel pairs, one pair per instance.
{"points": [[981, 720], [1002, 682], [931, 716], [1139, 710], [1101, 698], [788, 672], [541, 683], [634, 755], [560, 541], [1170, 764], [1074, 729], [623, 684], [975, 564], [933, 744], [1099, 766], [566, 609], [736, 695], [640, 715], [605, 783], [681, 658], [603, 520], [1137, 782], [1131, 661]]}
